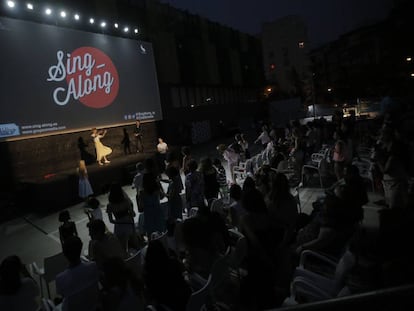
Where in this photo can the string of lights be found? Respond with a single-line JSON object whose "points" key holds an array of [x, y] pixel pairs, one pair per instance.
{"points": [[49, 12]]}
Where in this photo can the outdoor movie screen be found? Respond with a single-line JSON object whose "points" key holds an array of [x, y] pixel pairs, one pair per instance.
{"points": [[55, 80]]}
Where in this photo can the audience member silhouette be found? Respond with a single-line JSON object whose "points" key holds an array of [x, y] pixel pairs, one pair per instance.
{"points": [[67, 228], [84, 154], [18, 290]]}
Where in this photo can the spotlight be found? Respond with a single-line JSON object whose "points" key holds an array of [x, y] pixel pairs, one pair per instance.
{"points": [[103, 24], [136, 30], [91, 20], [11, 4], [29, 6], [126, 29], [77, 17], [48, 11], [63, 14], [116, 25]]}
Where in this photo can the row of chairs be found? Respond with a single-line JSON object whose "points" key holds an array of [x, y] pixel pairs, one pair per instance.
{"points": [[252, 165], [320, 160]]}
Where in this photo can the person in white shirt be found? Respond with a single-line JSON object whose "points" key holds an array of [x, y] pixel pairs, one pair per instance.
{"points": [[231, 157], [162, 149]]}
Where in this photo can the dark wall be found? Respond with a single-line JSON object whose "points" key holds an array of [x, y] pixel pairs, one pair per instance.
{"points": [[32, 160]]}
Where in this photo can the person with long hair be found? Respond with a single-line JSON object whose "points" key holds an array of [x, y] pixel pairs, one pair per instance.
{"points": [[121, 214], [154, 220], [101, 150], [85, 188]]}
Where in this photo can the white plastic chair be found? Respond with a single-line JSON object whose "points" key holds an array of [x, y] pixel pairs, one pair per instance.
{"points": [[52, 266], [316, 165], [313, 286]]}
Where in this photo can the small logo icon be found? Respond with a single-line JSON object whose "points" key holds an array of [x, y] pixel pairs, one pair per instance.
{"points": [[10, 129], [142, 48]]}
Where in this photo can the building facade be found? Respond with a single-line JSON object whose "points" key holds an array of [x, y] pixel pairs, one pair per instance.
{"points": [[285, 55], [369, 62]]}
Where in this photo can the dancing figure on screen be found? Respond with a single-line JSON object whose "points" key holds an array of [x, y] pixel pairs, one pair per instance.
{"points": [[101, 150]]}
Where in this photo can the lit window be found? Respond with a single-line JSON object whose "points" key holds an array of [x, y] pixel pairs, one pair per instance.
{"points": [[301, 44], [272, 67]]}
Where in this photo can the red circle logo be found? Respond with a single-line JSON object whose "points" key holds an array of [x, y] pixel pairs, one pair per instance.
{"points": [[94, 77]]}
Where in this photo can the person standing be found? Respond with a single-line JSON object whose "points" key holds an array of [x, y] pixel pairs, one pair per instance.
{"points": [[101, 150], [126, 143], [67, 228], [175, 186], [138, 136], [137, 185], [162, 149], [85, 189], [121, 213]]}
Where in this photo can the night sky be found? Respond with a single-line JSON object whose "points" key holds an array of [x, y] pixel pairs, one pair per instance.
{"points": [[326, 19]]}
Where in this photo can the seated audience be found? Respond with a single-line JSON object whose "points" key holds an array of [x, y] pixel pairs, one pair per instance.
{"points": [[336, 225], [18, 290]]}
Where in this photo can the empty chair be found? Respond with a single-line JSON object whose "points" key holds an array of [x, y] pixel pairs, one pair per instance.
{"points": [[52, 266], [311, 286], [316, 165]]}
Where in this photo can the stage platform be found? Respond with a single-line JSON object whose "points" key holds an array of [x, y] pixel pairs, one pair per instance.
{"points": [[59, 190]]}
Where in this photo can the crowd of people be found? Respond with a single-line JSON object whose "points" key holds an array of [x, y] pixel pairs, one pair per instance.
{"points": [[254, 226]]}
